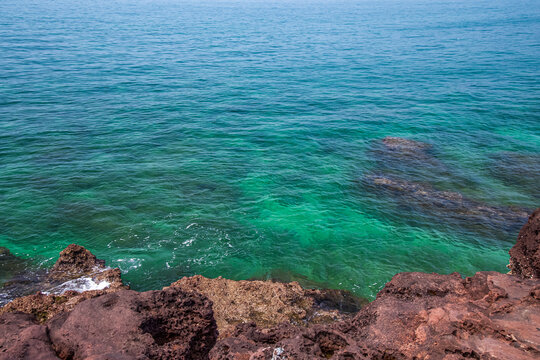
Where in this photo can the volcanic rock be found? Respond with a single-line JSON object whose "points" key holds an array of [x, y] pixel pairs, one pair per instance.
{"points": [[75, 261], [22, 338], [525, 255], [268, 303], [415, 316], [166, 324]]}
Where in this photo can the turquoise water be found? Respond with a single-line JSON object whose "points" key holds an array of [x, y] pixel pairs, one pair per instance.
{"points": [[229, 138]]}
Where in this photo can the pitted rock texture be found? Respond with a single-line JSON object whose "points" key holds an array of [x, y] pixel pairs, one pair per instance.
{"points": [[525, 255], [166, 324], [416, 316], [268, 303], [22, 338], [75, 261]]}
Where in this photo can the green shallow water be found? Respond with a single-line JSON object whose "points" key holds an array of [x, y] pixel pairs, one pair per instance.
{"points": [[234, 139]]}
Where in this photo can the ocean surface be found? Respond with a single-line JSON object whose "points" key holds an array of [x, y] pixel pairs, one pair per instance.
{"points": [[243, 139]]}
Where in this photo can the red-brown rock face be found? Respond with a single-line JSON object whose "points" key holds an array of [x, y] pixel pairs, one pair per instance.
{"points": [[166, 324], [525, 255]]}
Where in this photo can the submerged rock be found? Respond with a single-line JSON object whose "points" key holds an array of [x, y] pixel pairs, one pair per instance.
{"points": [[268, 303], [447, 204], [525, 255], [406, 147]]}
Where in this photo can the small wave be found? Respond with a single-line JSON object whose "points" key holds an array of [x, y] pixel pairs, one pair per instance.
{"points": [[79, 285]]}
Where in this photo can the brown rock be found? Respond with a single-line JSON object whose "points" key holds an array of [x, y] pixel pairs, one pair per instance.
{"points": [[75, 261], [22, 338], [525, 255], [167, 324], [268, 303]]}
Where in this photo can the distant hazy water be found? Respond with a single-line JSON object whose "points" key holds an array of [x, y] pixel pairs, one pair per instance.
{"points": [[227, 138]]}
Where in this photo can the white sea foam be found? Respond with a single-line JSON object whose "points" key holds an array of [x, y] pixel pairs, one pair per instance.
{"points": [[80, 285]]}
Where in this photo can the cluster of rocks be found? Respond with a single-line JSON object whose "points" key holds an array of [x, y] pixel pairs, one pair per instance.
{"points": [[415, 316]]}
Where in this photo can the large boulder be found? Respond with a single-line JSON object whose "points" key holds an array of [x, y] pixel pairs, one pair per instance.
{"points": [[525, 255], [166, 324], [22, 338]]}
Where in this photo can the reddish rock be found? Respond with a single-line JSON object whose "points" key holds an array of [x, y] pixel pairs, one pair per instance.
{"points": [[75, 261], [415, 316], [166, 324], [525, 255], [22, 338]]}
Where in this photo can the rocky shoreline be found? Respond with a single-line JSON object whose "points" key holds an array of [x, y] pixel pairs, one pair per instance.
{"points": [[415, 316]]}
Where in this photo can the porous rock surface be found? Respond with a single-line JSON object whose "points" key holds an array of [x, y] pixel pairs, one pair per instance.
{"points": [[74, 262], [268, 303], [415, 316], [166, 324], [525, 255]]}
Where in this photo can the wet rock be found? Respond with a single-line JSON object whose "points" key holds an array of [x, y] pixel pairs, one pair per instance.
{"points": [[75, 261], [22, 338], [525, 255], [268, 303], [77, 276], [166, 324]]}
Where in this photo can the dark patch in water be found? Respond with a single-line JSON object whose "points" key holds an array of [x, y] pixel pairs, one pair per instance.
{"points": [[447, 205], [517, 170], [17, 278]]}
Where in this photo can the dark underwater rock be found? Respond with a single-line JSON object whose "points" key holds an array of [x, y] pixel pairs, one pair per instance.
{"points": [[447, 204], [525, 255], [17, 276]]}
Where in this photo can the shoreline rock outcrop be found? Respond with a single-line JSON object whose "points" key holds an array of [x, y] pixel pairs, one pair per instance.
{"points": [[415, 316]]}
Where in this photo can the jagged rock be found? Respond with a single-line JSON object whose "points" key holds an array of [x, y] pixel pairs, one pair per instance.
{"points": [[415, 316], [268, 303], [75, 261], [76, 267], [525, 255], [22, 338], [166, 324]]}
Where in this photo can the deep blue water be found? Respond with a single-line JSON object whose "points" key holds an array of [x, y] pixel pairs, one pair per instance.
{"points": [[241, 138]]}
